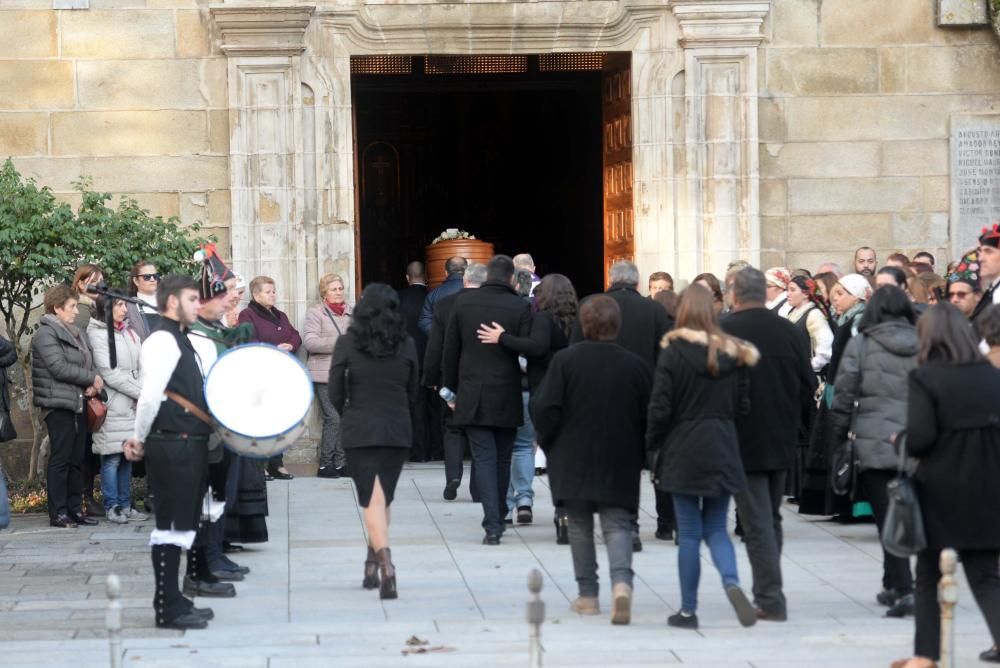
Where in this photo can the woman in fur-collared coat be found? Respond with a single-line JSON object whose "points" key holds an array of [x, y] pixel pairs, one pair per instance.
{"points": [[701, 386]]}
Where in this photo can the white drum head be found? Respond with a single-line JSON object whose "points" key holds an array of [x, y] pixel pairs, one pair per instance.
{"points": [[258, 391]]}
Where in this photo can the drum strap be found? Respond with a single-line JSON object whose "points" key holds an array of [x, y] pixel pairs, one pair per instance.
{"points": [[191, 408]]}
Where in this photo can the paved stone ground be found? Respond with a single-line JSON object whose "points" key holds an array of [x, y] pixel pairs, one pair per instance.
{"points": [[303, 606]]}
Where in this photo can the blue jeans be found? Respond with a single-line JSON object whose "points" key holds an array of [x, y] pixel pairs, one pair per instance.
{"points": [[702, 518], [522, 464], [116, 481]]}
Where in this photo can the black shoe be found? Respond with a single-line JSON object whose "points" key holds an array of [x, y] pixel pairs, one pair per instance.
{"points": [[664, 534], [524, 515], [229, 548], [371, 579], [682, 621], [745, 612], [342, 472], [509, 521], [205, 613], [194, 587], [992, 655], [184, 621], [539, 471], [82, 520], [230, 565], [62, 522], [765, 616], [887, 597], [268, 477], [327, 472], [562, 531], [228, 576], [451, 490], [387, 574], [278, 475], [636, 543], [491, 539], [903, 607]]}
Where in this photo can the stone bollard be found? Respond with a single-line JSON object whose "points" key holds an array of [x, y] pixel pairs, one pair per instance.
{"points": [[948, 598], [536, 615], [113, 621]]}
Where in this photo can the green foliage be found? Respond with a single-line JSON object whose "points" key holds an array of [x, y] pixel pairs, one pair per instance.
{"points": [[124, 235], [39, 245]]}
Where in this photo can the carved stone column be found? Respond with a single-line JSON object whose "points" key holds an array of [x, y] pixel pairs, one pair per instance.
{"points": [[718, 187], [272, 233]]}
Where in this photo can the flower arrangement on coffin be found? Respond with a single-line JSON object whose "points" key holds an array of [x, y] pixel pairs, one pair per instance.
{"points": [[451, 234]]}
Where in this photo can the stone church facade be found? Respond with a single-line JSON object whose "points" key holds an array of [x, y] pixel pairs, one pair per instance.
{"points": [[779, 131]]}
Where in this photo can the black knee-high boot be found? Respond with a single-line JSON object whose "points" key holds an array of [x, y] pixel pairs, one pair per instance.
{"points": [[199, 580], [169, 607]]}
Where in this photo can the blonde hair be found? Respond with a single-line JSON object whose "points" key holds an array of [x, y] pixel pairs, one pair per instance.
{"points": [[258, 283], [325, 282]]}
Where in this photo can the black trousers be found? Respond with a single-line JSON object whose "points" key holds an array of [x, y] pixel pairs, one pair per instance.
{"points": [[455, 443], [981, 571], [420, 450], [895, 571], [665, 520], [67, 439], [491, 450]]}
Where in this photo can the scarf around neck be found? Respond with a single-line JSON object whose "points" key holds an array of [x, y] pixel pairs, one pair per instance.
{"points": [[850, 314], [338, 309]]}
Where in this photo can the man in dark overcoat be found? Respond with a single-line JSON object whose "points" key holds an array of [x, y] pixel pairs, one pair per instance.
{"points": [[781, 386], [487, 381], [426, 440]]}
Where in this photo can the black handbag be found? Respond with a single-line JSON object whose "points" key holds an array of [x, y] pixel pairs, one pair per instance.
{"points": [[903, 532], [845, 464]]}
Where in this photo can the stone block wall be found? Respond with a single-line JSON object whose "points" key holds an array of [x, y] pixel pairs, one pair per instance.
{"points": [[855, 105], [131, 93]]}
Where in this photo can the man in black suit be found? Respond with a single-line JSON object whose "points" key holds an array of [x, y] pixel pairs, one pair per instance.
{"points": [[781, 386], [411, 304], [644, 323], [487, 381], [455, 268], [454, 436]]}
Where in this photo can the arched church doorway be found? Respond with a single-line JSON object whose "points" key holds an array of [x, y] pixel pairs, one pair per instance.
{"points": [[530, 153]]}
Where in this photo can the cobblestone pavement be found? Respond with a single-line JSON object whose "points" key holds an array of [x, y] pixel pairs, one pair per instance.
{"points": [[303, 607]]}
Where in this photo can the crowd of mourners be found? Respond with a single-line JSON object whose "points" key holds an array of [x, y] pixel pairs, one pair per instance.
{"points": [[741, 388]]}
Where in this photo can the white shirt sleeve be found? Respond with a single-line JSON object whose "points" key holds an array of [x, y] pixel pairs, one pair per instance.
{"points": [[822, 339], [159, 358]]}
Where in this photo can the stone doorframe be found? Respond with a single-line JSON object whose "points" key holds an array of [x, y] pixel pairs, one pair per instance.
{"points": [[292, 165]]}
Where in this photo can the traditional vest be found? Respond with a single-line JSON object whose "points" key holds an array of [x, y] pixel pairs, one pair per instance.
{"points": [[185, 381]]}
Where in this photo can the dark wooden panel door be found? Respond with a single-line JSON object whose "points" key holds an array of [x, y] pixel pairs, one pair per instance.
{"points": [[616, 119]]}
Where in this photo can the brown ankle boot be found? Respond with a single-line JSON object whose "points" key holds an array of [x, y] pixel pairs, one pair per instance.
{"points": [[371, 570], [387, 588]]}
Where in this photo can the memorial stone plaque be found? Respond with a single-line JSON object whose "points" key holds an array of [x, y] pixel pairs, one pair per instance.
{"points": [[975, 177]]}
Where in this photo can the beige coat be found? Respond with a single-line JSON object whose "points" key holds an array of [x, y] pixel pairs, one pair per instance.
{"points": [[319, 336]]}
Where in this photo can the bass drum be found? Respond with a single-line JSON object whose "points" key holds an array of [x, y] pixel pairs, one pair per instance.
{"points": [[260, 395]]}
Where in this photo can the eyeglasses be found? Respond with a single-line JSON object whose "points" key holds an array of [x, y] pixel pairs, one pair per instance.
{"points": [[149, 277]]}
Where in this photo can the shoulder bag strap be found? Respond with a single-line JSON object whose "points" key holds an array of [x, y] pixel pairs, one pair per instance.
{"points": [[191, 408], [862, 349], [332, 319]]}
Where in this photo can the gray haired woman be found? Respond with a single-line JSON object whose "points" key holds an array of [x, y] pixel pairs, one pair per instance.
{"points": [[325, 323]]}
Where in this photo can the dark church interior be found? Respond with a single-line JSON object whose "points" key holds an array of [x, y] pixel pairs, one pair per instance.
{"points": [[514, 159]]}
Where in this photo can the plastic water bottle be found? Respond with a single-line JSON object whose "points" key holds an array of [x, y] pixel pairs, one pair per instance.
{"points": [[447, 395]]}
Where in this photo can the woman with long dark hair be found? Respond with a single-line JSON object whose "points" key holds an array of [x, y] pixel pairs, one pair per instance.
{"points": [[373, 385], [870, 402], [700, 387], [556, 312], [143, 280], [952, 430]]}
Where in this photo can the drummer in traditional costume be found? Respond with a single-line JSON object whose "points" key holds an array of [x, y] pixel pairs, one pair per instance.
{"points": [[211, 338], [174, 442]]}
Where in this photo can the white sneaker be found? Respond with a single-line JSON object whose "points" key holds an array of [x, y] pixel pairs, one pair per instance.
{"points": [[116, 516], [134, 515]]}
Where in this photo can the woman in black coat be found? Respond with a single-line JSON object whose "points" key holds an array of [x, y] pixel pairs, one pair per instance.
{"points": [[953, 429], [590, 419], [700, 387], [8, 356], [373, 386]]}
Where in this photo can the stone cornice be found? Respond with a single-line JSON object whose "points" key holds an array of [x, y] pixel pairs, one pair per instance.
{"points": [[514, 27], [721, 23], [260, 29]]}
